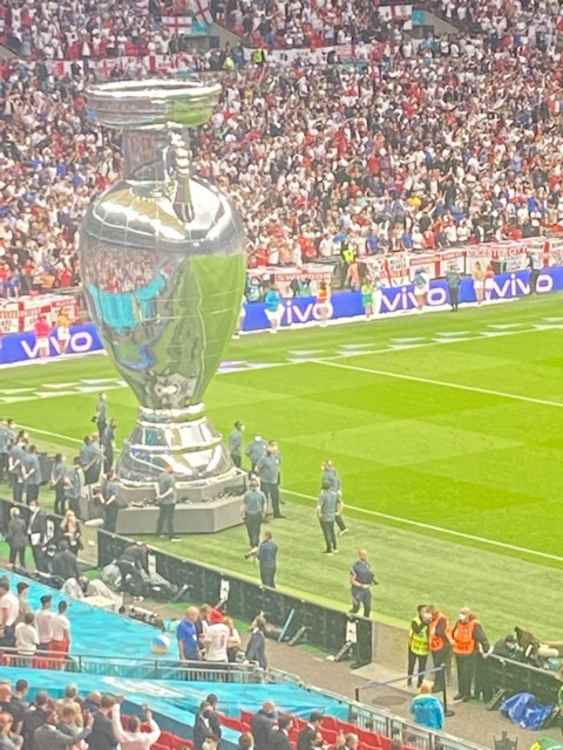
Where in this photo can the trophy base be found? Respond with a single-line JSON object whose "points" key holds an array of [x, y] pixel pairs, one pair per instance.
{"points": [[185, 440], [189, 518]]}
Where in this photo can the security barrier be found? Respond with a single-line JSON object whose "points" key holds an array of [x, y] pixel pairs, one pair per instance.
{"points": [[516, 677], [326, 628]]}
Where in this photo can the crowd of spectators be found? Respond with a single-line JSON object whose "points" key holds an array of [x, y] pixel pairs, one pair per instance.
{"points": [[418, 145], [285, 24], [71, 722]]}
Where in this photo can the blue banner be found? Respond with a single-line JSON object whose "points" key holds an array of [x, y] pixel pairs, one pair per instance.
{"points": [[401, 298], [21, 347]]}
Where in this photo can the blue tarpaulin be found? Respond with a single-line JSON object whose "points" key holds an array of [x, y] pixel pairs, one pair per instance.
{"points": [[525, 710]]}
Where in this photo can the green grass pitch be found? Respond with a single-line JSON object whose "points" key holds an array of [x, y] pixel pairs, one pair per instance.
{"points": [[447, 431]]}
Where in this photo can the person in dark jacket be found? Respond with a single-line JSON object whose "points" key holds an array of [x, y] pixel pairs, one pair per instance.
{"points": [[256, 646], [202, 728], [48, 737], [65, 564], [103, 737], [307, 737], [280, 736], [16, 536], [262, 726], [34, 717], [267, 556]]}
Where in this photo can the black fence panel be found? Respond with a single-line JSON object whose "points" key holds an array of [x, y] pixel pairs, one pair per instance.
{"points": [[323, 627]]}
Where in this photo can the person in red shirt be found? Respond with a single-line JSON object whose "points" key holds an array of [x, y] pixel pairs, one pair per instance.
{"points": [[42, 330]]}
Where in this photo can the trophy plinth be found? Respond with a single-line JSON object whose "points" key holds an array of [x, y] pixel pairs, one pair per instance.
{"points": [[163, 261]]}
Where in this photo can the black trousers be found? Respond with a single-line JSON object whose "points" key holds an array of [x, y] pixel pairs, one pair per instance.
{"points": [[17, 491], [17, 552], [110, 517], [253, 523], [413, 659], [272, 492], [236, 459], [38, 557], [439, 660], [166, 519], [329, 535], [267, 575], [31, 493], [454, 297], [483, 679], [108, 460], [361, 597], [465, 672], [60, 499]]}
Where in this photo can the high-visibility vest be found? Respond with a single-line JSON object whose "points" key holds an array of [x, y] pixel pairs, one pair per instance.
{"points": [[437, 642], [464, 637], [419, 642]]}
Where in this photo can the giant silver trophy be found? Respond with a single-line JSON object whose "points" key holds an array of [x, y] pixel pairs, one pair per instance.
{"points": [[162, 261]]}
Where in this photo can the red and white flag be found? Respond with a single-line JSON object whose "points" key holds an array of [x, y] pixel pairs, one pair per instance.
{"points": [[178, 24]]}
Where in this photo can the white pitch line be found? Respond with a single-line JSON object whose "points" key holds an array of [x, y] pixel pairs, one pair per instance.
{"points": [[440, 529], [442, 383], [49, 434]]}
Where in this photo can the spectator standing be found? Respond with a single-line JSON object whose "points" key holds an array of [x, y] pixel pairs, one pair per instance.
{"points": [[134, 738], [34, 717], [202, 729], [362, 579], [42, 330], [256, 646], [37, 533], [71, 532], [27, 638], [267, 557], [61, 643], [262, 725], [103, 736], [280, 736], [478, 282], [216, 642], [9, 610], [307, 737], [90, 459], [235, 444], [186, 634], [8, 741], [467, 635], [419, 644], [421, 285], [166, 498], [44, 622], [234, 642], [426, 709], [268, 469], [24, 607], [254, 505], [327, 509], [16, 536]]}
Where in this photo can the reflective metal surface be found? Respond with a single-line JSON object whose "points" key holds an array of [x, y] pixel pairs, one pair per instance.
{"points": [[162, 259]]}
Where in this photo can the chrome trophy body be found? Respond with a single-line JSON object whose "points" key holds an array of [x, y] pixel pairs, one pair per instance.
{"points": [[162, 260]]}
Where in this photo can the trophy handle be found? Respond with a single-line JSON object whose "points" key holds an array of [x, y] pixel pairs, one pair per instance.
{"points": [[180, 146]]}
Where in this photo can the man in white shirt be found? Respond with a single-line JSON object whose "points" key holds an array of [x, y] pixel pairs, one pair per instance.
{"points": [[216, 640], [61, 632], [27, 638], [134, 739], [44, 623], [9, 610]]}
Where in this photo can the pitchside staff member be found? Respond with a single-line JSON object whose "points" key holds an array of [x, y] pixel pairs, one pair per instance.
{"points": [[254, 505], [166, 498], [330, 475], [235, 444], [362, 579], [268, 469]]}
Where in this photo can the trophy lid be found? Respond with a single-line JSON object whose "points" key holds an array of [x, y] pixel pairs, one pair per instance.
{"points": [[153, 103]]}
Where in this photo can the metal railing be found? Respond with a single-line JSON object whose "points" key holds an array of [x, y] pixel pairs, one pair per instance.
{"points": [[147, 668]]}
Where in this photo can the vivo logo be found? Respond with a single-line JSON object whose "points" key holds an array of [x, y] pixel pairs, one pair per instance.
{"points": [[515, 287], [312, 311], [81, 341]]}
